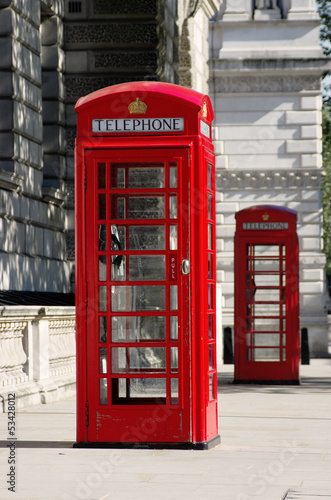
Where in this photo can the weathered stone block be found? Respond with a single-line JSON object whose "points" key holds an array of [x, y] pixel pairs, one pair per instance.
{"points": [[53, 112], [53, 85], [6, 83], [311, 132], [6, 114], [307, 146], [54, 166], [54, 138], [52, 31], [313, 275], [6, 53], [311, 244], [77, 61], [311, 160], [311, 102], [26, 91], [302, 117], [6, 145], [52, 57]]}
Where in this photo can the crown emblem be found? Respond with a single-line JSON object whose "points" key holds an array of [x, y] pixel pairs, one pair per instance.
{"points": [[204, 110], [137, 107], [265, 216]]}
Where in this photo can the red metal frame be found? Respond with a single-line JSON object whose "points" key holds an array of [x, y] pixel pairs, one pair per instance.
{"points": [[266, 296], [193, 421]]}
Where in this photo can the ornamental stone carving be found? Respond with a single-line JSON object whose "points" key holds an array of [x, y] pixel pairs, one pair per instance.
{"points": [[110, 60], [111, 33], [241, 179]]}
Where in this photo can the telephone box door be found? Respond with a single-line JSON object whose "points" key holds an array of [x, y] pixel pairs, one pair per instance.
{"points": [[138, 349]]}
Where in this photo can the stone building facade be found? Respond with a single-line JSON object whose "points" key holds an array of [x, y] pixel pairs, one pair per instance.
{"points": [[266, 70]]}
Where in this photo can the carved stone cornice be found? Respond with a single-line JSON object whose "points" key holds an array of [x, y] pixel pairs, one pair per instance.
{"points": [[268, 75], [273, 179], [284, 83]]}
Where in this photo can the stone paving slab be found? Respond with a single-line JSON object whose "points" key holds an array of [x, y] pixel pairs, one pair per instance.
{"points": [[275, 445]]}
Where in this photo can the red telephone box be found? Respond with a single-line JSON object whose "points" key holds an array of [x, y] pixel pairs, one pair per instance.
{"points": [[145, 268], [266, 336]]}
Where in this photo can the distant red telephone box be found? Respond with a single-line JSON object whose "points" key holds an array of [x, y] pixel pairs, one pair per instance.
{"points": [[266, 335], [145, 268]]}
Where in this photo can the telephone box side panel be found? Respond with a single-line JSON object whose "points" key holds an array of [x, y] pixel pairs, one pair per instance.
{"points": [[204, 239], [81, 291]]}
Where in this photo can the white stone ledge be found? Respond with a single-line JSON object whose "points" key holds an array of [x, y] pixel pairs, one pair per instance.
{"points": [[37, 346]]}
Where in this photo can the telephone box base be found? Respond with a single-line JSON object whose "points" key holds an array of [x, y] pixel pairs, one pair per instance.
{"points": [[205, 445]]}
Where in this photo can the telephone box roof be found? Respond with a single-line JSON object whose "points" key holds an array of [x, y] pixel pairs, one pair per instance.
{"points": [[168, 90]]}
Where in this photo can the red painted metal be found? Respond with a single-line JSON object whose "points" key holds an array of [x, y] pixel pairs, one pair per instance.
{"points": [[266, 336], [179, 405]]}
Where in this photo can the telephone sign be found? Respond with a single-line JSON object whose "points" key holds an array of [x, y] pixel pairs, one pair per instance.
{"points": [[266, 295], [145, 268]]}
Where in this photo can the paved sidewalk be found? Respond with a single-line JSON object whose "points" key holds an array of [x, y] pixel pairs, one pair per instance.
{"points": [[276, 445]]}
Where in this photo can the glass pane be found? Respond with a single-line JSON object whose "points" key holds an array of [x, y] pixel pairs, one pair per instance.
{"points": [[118, 268], [267, 295], [138, 298], [174, 391], [102, 237], [265, 325], [102, 206], [265, 309], [174, 359], [265, 279], [209, 176], [173, 297], [117, 177], [173, 206], [210, 296], [103, 360], [147, 268], [101, 175], [212, 392], [210, 266], [139, 175], [138, 359], [173, 237], [266, 264], [266, 339], [103, 391], [146, 178], [210, 237], [173, 327], [102, 298], [103, 329], [117, 237], [266, 250], [210, 206], [138, 328], [172, 177], [102, 268], [131, 389], [211, 356], [146, 238], [147, 208], [260, 354], [210, 326]]}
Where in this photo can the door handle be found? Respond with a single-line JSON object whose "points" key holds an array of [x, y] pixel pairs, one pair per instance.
{"points": [[185, 266]]}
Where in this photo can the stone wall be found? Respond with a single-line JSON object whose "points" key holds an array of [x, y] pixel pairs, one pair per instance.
{"points": [[32, 217]]}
